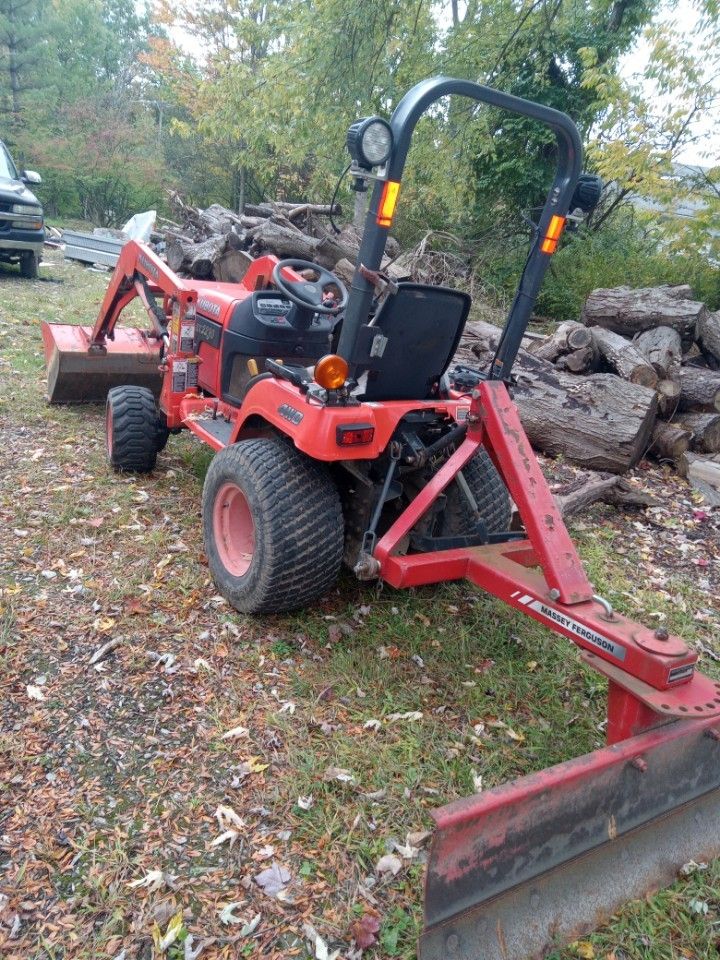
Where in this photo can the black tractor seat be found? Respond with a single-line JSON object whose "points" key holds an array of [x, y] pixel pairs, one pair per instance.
{"points": [[410, 342]]}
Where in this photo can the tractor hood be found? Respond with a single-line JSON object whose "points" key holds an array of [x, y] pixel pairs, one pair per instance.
{"points": [[16, 192]]}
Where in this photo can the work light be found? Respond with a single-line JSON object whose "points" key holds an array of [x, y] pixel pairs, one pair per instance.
{"points": [[370, 142]]}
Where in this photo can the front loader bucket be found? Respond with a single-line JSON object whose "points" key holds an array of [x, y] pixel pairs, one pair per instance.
{"points": [[527, 867], [78, 375]]}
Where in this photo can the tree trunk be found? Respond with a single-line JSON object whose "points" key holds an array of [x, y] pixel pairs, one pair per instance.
{"points": [[708, 336], [568, 337], [622, 356], [662, 348], [628, 311], [705, 429], [699, 390], [669, 442], [601, 422]]}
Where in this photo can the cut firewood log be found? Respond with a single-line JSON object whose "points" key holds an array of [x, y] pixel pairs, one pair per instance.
{"points": [[601, 421], [662, 348], [600, 487], [232, 266], [624, 358], [284, 241], [669, 441], [627, 311], [703, 473], [699, 390], [584, 360], [708, 336], [668, 392], [705, 429], [195, 259], [569, 337]]}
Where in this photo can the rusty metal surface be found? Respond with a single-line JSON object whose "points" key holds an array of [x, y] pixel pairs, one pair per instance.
{"points": [[555, 853], [535, 918], [78, 376]]}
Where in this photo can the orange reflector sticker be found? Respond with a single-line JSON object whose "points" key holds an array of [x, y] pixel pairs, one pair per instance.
{"points": [[554, 232], [388, 202]]}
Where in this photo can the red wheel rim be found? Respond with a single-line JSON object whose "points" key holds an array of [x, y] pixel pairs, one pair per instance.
{"points": [[109, 431], [233, 529]]}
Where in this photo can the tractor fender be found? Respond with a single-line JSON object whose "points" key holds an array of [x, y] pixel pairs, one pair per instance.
{"points": [[313, 428]]}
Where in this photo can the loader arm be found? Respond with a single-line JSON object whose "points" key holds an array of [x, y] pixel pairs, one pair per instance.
{"points": [[83, 363], [139, 272]]}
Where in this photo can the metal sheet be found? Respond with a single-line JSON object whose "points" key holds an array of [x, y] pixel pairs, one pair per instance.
{"points": [[530, 865], [90, 248]]}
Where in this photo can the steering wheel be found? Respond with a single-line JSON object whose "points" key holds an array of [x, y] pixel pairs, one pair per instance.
{"points": [[308, 294]]}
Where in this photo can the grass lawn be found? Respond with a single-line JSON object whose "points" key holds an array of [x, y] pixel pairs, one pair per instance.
{"points": [[151, 794]]}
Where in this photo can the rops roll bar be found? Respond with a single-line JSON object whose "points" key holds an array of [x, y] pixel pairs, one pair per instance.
{"points": [[569, 165]]}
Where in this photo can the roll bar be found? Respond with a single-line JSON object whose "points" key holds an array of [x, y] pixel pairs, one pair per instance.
{"points": [[403, 122]]}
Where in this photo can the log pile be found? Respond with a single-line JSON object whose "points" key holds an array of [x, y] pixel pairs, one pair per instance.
{"points": [[639, 376], [219, 244]]}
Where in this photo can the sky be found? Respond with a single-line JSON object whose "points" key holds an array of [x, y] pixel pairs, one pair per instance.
{"points": [[706, 152]]}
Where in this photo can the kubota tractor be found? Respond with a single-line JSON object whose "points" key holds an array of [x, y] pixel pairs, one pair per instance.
{"points": [[341, 433]]}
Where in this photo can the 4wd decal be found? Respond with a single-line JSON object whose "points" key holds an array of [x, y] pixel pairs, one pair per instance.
{"points": [[554, 616], [290, 413]]}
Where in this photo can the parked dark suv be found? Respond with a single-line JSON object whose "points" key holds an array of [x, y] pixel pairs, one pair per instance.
{"points": [[21, 217]]}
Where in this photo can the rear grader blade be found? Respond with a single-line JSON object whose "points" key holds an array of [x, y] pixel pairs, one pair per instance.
{"points": [[529, 866]]}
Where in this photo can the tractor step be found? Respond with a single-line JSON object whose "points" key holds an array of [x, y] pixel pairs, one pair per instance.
{"points": [[77, 375], [527, 867], [215, 432]]}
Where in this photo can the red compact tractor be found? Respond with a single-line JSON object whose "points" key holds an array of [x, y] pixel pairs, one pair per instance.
{"points": [[341, 434]]}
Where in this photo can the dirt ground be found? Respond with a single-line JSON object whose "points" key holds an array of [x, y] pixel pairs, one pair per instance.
{"points": [[219, 786]]}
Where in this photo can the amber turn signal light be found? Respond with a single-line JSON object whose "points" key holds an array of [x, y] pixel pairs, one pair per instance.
{"points": [[331, 372]]}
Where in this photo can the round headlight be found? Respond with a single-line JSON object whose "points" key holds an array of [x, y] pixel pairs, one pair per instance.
{"points": [[370, 141]]}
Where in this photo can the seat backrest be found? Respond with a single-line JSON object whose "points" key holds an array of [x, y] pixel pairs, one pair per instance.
{"points": [[423, 325]]}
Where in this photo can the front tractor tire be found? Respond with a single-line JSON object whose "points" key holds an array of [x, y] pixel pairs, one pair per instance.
{"points": [[272, 525], [135, 432]]}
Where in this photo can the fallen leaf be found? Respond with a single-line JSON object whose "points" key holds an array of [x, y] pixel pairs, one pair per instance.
{"points": [[162, 942], [388, 864], [273, 879], [153, 880], [251, 926], [364, 930], [585, 949], [338, 773], [227, 818], [235, 732], [227, 915]]}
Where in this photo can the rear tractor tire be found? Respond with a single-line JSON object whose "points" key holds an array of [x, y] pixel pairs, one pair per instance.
{"points": [[272, 525], [491, 496], [135, 431]]}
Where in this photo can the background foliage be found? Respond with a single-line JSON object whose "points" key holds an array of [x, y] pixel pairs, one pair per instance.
{"points": [[247, 99]]}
